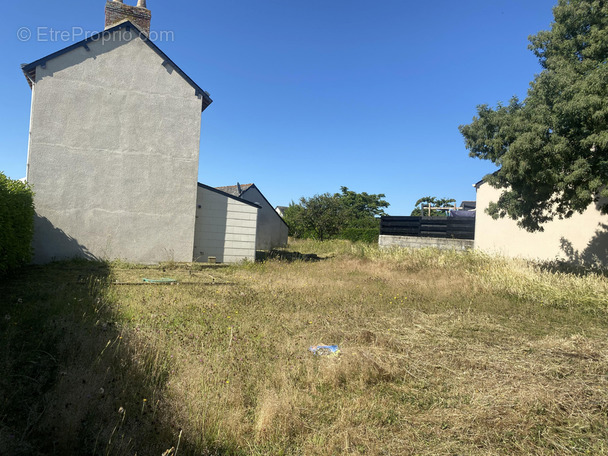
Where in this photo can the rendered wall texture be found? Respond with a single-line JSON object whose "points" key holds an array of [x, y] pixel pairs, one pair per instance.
{"points": [[225, 228], [582, 239], [416, 242], [113, 154], [272, 231]]}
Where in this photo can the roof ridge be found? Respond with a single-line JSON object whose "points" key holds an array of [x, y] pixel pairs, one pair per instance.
{"points": [[29, 69]]}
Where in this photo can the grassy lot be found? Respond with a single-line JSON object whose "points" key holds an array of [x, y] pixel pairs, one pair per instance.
{"points": [[441, 353]]}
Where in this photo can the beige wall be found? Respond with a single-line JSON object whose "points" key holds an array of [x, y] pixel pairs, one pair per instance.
{"points": [[582, 239], [113, 154], [225, 228]]}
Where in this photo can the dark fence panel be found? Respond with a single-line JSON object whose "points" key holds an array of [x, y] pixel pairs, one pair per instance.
{"points": [[440, 227], [400, 226]]}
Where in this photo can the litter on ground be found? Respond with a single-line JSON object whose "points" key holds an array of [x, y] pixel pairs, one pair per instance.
{"points": [[163, 280], [325, 350]]}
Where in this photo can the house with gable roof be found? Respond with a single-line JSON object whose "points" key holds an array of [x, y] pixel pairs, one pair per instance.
{"points": [[114, 150]]}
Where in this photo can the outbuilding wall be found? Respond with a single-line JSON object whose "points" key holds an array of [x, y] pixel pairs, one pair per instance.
{"points": [[225, 228], [272, 230], [581, 239]]}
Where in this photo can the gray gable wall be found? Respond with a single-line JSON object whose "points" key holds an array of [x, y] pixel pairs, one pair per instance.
{"points": [[272, 230], [113, 153]]}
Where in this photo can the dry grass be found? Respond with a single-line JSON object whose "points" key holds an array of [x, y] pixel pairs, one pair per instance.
{"points": [[441, 353]]}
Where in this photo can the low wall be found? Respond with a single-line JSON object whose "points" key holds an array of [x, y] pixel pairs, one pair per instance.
{"points": [[415, 242]]}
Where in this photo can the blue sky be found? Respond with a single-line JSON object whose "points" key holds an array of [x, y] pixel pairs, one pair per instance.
{"points": [[313, 95]]}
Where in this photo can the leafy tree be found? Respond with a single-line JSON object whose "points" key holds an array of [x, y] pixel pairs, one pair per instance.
{"points": [[319, 217], [361, 209], [294, 217], [552, 148], [326, 216], [433, 202]]}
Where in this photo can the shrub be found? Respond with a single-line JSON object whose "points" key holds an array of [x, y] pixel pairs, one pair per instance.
{"points": [[16, 223], [369, 235]]}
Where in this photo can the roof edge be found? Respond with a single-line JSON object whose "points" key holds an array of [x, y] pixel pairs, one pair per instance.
{"points": [[229, 195], [238, 188], [268, 202], [483, 179], [29, 70]]}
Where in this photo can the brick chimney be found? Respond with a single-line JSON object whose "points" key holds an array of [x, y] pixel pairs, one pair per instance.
{"points": [[117, 12]]}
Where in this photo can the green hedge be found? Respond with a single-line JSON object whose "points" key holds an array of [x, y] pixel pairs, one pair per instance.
{"points": [[16, 223], [369, 235]]}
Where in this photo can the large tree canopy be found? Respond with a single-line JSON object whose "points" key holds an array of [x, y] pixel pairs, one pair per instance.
{"points": [[326, 216], [552, 147]]}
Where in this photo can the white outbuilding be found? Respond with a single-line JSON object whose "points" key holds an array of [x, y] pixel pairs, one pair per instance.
{"points": [[225, 227]]}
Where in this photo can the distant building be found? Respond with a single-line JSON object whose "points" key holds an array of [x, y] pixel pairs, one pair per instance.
{"points": [[466, 209], [281, 210], [468, 205]]}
